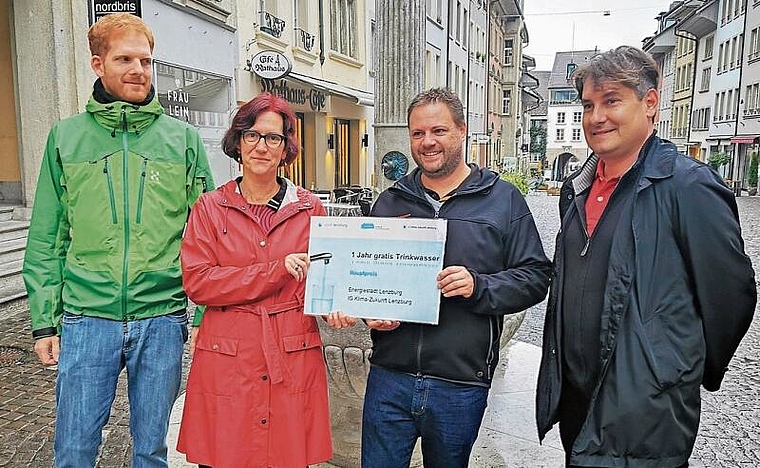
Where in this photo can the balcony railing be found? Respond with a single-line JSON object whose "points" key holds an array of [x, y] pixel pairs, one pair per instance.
{"points": [[306, 39], [271, 24]]}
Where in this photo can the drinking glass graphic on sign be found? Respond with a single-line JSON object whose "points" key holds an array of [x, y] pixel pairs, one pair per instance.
{"points": [[322, 293]]}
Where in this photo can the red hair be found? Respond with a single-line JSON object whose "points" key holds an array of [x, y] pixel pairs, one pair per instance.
{"points": [[246, 116]]}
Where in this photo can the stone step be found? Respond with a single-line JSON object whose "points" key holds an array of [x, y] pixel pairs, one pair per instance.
{"points": [[11, 288], [11, 268], [6, 212], [12, 250], [13, 229]]}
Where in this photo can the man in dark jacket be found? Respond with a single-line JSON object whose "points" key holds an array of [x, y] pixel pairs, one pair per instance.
{"points": [[432, 381], [652, 290]]}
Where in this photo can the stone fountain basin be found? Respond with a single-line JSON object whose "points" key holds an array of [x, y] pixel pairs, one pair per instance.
{"points": [[346, 353]]}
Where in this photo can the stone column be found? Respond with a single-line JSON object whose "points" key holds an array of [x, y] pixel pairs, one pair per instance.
{"points": [[52, 74], [400, 76]]}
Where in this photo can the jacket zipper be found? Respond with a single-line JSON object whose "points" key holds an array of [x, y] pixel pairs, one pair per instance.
{"points": [[138, 217], [419, 350], [125, 184], [111, 196]]}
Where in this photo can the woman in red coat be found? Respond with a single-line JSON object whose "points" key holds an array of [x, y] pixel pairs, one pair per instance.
{"points": [[257, 390]]}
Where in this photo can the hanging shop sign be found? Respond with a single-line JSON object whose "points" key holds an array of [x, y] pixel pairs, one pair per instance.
{"points": [[101, 8], [270, 65]]}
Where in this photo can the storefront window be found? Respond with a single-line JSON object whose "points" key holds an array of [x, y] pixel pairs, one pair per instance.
{"points": [[296, 170], [203, 100]]}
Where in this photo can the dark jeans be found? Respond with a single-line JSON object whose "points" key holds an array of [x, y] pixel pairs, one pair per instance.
{"points": [[399, 408]]}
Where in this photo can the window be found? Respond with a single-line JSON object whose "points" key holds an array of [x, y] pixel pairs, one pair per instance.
{"points": [[506, 101], [570, 69], [343, 23], [716, 106], [577, 117], [752, 106], [727, 54], [705, 84], [371, 59], [709, 44], [304, 38], [576, 134], [564, 96], [754, 44], [689, 76], [560, 134], [458, 20], [508, 49], [560, 117]]}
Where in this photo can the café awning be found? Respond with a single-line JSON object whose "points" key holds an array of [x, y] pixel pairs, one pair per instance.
{"points": [[360, 97], [744, 139]]}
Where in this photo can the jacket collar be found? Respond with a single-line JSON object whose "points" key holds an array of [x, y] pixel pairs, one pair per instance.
{"points": [[112, 115], [657, 157], [293, 196], [481, 179]]}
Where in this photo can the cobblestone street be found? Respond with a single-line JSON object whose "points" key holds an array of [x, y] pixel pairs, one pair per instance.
{"points": [[27, 403], [729, 434]]}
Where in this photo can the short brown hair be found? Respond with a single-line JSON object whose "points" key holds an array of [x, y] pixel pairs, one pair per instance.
{"points": [[101, 32], [626, 65], [436, 95]]}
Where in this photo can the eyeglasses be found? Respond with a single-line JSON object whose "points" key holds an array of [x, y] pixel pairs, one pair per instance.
{"points": [[272, 140]]}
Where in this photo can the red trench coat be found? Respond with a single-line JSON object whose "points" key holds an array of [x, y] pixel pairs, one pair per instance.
{"points": [[257, 390]]}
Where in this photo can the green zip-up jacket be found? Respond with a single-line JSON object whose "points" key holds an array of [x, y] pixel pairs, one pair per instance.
{"points": [[114, 192]]}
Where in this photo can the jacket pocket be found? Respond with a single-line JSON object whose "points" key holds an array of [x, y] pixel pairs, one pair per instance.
{"points": [[141, 192], [217, 344], [668, 367], [111, 194], [301, 342], [215, 366], [303, 357]]}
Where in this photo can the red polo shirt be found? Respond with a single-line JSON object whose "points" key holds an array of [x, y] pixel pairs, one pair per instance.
{"points": [[598, 196]]}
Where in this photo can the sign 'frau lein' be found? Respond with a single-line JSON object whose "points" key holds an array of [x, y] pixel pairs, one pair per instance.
{"points": [[270, 65]]}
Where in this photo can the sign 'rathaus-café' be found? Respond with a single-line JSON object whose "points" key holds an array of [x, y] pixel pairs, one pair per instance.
{"points": [[295, 95]]}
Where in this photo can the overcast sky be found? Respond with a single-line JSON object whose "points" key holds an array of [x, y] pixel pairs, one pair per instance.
{"points": [[551, 25]]}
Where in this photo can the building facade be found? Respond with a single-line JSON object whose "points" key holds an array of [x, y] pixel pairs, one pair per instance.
{"points": [[48, 77], [327, 88], [566, 147]]}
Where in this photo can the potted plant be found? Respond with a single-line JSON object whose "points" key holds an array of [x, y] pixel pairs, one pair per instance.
{"points": [[752, 176]]}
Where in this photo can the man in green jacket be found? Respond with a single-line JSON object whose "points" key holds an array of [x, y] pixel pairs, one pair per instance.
{"points": [[102, 260]]}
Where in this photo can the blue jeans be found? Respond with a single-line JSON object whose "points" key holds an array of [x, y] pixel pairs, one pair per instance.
{"points": [[399, 408], [94, 351]]}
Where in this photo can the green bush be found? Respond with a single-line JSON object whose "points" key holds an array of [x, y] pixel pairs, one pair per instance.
{"points": [[752, 176], [516, 179], [719, 159]]}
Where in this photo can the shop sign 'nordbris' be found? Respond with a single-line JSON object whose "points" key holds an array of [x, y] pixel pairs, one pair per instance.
{"points": [[101, 8]]}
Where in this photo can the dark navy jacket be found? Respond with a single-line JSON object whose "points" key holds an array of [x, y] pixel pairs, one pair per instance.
{"points": [[491, 232], [680, 295]]}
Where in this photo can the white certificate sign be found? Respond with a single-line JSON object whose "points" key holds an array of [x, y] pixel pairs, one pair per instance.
{"points": [[379, 268]]}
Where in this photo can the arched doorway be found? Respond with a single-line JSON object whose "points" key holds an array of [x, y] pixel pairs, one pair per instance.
{"points": [[560, 169]]}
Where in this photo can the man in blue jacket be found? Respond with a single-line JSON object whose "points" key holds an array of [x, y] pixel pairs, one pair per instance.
{"points": [[432, 381], [652, 290]]}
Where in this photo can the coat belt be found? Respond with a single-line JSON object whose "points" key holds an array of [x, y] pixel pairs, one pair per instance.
{"points": [[272, 354]]}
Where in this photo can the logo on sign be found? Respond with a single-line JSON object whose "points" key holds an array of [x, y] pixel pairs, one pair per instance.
{"points": [[270, 65]]}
